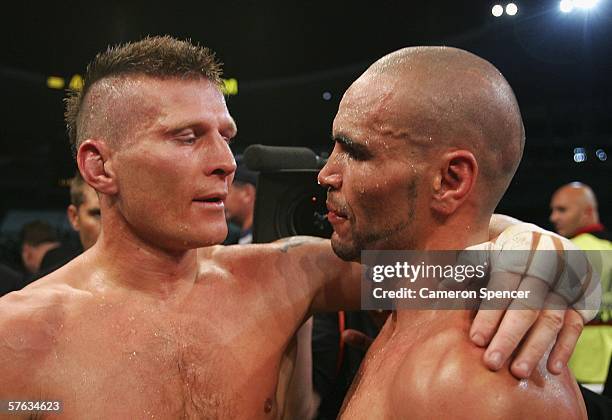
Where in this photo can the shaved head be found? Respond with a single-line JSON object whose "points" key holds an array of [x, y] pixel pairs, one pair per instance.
{"points": [[573, 206], [440, 98]]}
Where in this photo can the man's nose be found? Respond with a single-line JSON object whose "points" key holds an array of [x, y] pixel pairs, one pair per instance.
{"points": [[329, 176], [553, 216], [220, 160]]}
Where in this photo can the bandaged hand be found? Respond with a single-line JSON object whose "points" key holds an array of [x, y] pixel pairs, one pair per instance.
{"points": [[565, 294]]}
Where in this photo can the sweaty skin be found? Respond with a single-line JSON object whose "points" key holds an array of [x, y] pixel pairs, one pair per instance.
{"points": [[108, 351], [423, 366], [416, 166], [153, 321]]}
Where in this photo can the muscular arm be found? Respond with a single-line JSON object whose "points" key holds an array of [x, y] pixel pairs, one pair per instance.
{"points": [[334, 284]]}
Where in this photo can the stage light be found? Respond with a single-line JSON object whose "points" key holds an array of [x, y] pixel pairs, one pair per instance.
{"points": [[601, 155], [497, 10], [566, 6], [580, 154], [511, 9], [76, 82], [55, 82], [585, 4], [230, 86]]}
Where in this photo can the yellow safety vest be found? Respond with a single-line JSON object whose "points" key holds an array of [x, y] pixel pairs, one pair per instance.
{"points": [[591, 358]]}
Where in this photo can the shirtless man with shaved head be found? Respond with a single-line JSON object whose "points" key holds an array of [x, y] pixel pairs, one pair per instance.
{"points": [[426, 142], [154, 321]]}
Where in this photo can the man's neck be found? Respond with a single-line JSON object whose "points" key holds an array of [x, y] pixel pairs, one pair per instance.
{"points": [[454, 234], [131, 263]]}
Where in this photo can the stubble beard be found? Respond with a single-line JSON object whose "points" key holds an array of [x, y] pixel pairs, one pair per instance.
{"points": [[382, 239]]}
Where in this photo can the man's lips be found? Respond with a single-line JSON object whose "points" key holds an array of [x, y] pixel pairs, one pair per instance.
{"points": [[213, 200], [334, 218], [334, 215]]}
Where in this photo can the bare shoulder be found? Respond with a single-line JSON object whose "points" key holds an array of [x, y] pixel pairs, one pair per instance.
{"points": [[31, 316], [453, 380], [30, 322]]}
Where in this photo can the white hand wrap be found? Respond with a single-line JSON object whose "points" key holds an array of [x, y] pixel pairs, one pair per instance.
{"points": [[552, 259]]}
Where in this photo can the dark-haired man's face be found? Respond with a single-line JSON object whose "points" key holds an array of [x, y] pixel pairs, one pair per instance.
{"points": [[372, 176], [85, 218], [174, 171]]}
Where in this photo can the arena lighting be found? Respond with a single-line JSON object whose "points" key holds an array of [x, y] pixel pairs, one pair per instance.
{"points": [[511, 9], [497, 10], [585, 4], [580, 154], [55, 82], [566, 6], [601, 155]]}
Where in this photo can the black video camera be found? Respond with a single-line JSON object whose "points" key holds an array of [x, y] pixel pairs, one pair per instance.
{"points": [[289, 200]]}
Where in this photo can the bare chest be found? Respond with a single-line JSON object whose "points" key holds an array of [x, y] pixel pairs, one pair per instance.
{"points": [[149, 364]]}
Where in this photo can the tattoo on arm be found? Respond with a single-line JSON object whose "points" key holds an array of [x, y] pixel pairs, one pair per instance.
{"points": [[296, 241]]}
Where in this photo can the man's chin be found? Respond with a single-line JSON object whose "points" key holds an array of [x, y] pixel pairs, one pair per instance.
{"points": [[345, 251]]}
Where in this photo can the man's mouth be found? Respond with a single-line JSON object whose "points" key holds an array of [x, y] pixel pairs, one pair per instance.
{"points": [[213, 200], [335, 215]]}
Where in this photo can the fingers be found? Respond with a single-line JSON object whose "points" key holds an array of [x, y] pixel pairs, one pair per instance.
{"points": [[540, 339], [511, 331], [566, 341], [357, 339], [490, 314], [521, 316]]}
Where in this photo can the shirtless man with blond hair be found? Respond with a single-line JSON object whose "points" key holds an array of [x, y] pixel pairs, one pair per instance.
{"points": [[154, 321], [443, 129]]}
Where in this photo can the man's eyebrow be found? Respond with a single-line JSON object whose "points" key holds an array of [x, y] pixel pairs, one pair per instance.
{"points": [[351, 145]]}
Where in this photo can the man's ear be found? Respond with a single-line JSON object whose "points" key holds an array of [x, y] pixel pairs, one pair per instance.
{"points": [[454, 180], [73, 216], [93, 158]]}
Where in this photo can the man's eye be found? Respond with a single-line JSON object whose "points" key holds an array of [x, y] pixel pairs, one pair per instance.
{"points": [[355, 154], [191, 139]]}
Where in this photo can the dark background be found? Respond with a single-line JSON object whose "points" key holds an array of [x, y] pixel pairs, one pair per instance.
{"points": [[285, 55]]}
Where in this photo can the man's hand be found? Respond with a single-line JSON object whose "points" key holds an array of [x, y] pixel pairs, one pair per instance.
{"points": [[545, 324]]}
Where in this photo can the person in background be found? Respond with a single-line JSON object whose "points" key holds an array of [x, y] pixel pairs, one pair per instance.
{"points": [[37, 238], [575, 215], [240, 203], [84, 216]]}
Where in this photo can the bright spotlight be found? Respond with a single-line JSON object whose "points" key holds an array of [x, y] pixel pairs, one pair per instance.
{"points": [[566, 6], [511, 9], [580, 154], [497, 10], [585, 4], [601, 155]]}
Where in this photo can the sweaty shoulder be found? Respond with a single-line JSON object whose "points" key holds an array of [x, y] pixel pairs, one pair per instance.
{"points": [[31, 320], [448, 378]]}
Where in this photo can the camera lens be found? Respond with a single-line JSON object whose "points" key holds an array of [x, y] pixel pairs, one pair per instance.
{"points": [[308, 215]]}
